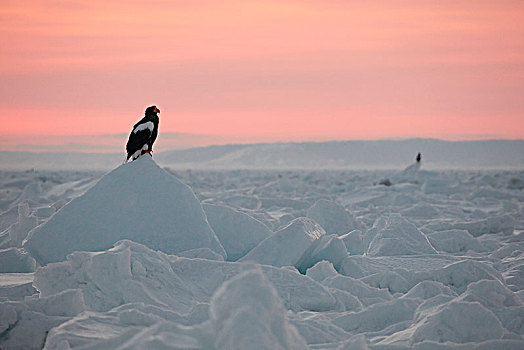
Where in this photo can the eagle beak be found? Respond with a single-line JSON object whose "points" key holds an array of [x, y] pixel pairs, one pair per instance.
{"points": [[156, 110]]}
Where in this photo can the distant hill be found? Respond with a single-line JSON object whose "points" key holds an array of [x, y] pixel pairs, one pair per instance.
{"points": [[59, 161], [376, 154]]}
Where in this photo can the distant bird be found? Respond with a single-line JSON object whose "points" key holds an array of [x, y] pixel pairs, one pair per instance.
{"points": [[143, 135], [419, 157]]}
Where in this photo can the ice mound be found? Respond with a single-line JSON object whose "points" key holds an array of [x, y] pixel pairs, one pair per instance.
{"points": [[321, 270], [16, 289], [378, 316], [286, 247], [130, 272], [366, 294], [494, 224], [429, 289], [455, 241], [247, 313], [316, 332], [16, 260], [328, 248], [459, 275], [26, 222], [399, 237], [458, 322], [137, 201], [421, 211], [409, 175], [25, 324], [501, 223], [440, 185], [127, 273], [99, 299], [299, 292], [238, 232], [354, 242], [130, 327], [500, 300], [333, 217], [244, 312], [411, 170]]}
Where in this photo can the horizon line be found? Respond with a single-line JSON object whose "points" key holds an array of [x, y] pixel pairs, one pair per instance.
{"points": [[48, 149]]}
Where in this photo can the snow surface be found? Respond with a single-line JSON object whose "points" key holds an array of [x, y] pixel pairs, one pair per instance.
{"points": [[147, 258]]}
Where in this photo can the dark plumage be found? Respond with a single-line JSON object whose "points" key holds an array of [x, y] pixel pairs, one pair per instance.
{"points": [[143, 135]]}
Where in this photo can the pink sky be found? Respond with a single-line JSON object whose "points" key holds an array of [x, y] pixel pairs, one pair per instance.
{"points": [[260, 70]]}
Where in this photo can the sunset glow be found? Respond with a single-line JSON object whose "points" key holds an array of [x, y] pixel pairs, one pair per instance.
{"points": [[261, 70]]}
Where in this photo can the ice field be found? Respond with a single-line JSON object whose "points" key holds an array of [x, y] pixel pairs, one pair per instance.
{"points": [[145, 257]]}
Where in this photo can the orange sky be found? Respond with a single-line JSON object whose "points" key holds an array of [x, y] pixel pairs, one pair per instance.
{"points": [[261, 70]]}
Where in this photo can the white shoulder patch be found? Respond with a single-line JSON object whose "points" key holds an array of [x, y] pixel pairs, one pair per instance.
{"points": [[144, 126]]}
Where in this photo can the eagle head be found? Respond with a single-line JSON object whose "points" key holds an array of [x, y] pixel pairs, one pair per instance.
{"points": [[152, 110]]}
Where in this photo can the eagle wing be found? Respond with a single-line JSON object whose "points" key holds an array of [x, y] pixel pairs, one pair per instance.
{"points": [[139, 137]]}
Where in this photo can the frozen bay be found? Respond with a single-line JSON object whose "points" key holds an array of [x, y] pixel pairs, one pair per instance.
{"points": [[307, 259]]}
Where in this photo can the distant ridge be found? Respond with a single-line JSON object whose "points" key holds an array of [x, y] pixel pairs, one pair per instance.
{"points": [[360, 154]]}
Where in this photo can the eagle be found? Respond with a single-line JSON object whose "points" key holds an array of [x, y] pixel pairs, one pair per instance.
{"points": [[143, 135]]}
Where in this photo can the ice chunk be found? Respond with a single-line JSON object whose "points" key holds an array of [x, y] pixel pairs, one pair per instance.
{"points": [[26, 222], [30, 330], [443, 186], [201, 253], [316, 329], [378, 316], [137, 201], [429, 289], [67, 303], [16, 260], [421, 211], [286, 246], [16, 291], [496, 297], [459, 275], [366, 294], [455, 241], [390, 280], [328, 247], [25, 324], [492, 294], [91, 330], [459, 322], [354, 242], [161, 335], [321, 271], [247, 313], [238, 232], [299, 292], [399, 237], [333, 217], [9, 314], [493, 224], [127, 273]]}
